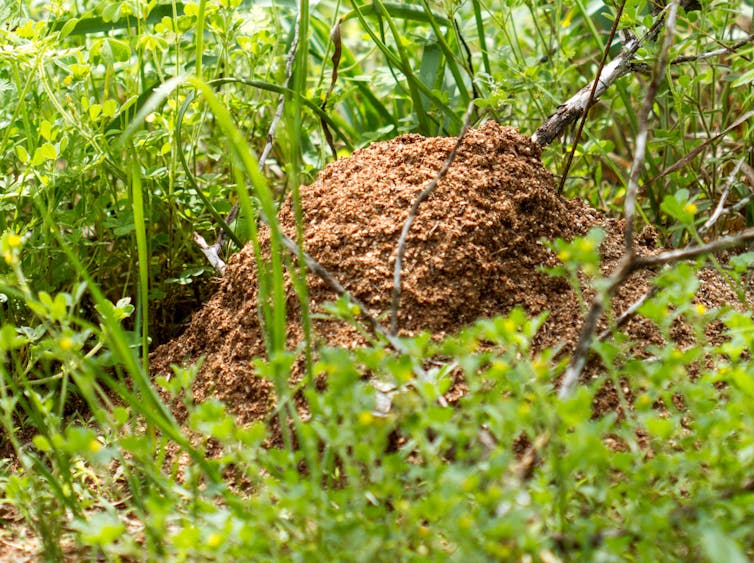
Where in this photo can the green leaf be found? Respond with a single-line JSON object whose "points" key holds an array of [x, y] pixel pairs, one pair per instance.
{"points": [[43, 154], [659, 427], [109, 108], [719, 547], [100, 529], [22, 154], [94, 111], [577, 408], [745, 78], [742, 262], [68, 27], [110, 50], [45, 129], [9, 338]]}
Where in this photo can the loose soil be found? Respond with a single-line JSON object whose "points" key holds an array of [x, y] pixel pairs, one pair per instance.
{"points": [[475, 250]]}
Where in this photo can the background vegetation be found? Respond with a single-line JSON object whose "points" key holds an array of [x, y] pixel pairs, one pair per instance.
{"points": [[128, 126]]}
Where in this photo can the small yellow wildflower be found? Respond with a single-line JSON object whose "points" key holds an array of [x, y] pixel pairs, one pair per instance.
{"points": [[366, 418]]}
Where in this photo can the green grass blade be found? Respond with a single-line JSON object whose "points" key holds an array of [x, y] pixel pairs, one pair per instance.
{"points": [[479, 21], [401, 11], [147, 403], [415, 86], [137, 205], [450, 57]]}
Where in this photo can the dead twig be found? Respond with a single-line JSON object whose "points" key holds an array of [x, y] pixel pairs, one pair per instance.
{"points": [[641, 138], [629, 262], [577, 105], [717, 245], [571, 110], [687, 158], [724, 50], [423, 195], [720, 207], [590, 100]]}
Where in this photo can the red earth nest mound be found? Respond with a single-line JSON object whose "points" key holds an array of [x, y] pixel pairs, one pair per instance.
{"points": [[474, 251]]}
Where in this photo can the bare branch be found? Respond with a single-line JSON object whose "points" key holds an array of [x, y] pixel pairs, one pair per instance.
{"points": [[628, 313], [290, 57], [725, 50], [697, 150], [641, 138], [211, 252], [721, 203], [580, 354], [570, 111], [423, 195], [723, 243], [627, 263], [590, 100]]}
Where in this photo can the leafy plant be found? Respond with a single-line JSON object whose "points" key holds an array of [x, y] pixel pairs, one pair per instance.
{"points": [[130, 126]]}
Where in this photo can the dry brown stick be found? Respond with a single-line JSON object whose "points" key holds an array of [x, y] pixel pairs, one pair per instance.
{"points": [[590, 99], [290, 57], [697, 150], [626, 267], [725, 50], [423, 195], [641, 137], [720, 207], [571, 110], [627, 263], [717, 245]]}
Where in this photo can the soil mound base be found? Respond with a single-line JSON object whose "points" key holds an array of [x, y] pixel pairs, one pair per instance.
{"points": [[474, 251]]}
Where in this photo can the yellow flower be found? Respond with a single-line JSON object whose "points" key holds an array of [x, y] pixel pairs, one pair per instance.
{"points": [[66, 343], [366, 418], [94, 446]]}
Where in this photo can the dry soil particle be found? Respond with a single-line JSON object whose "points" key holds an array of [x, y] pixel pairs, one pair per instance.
{"points": [[474, 251]]}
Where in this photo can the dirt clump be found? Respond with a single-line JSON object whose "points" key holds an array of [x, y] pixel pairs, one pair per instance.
{"points": [[474, 251]]}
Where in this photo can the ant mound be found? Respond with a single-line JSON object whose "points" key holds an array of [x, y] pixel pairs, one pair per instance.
{"points": [[475, 250]]}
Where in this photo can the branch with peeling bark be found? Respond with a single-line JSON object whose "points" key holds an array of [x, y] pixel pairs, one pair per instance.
{"points": [[570, 111], [623, 64], [631, 262]]}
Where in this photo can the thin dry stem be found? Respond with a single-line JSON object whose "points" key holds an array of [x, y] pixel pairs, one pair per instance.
{"points": [[590, 100], [630, 261], [423, 195]]}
